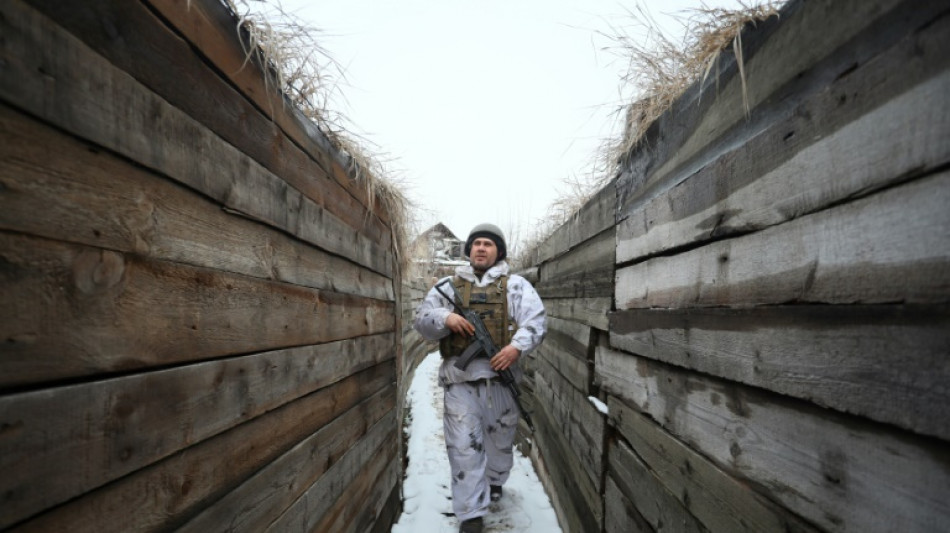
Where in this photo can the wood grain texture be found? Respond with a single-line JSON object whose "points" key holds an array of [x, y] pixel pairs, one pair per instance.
{"points": [[650, 501], [74, 311], [674, 486], [586, 271], [155, 42], [91, 197], [839, 473], [307, 511], [62, 81], [785, 61], [212, 30], [166, 493], [590, 311], [578, 501], [620, 514], [842, 357], [121, 425], [261, 499], [579, 423], [844, 141], [596, 216], [868, 251], [565, 347], [358, 508]]}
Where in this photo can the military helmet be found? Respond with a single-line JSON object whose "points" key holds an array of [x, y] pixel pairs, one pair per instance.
{"points": [[489, 231]]}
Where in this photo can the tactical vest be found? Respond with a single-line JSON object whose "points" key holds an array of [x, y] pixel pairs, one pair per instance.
{"points": [[491, 303]]}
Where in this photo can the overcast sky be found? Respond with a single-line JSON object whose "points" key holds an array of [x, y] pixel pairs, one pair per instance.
{"points": [[483, 107]]}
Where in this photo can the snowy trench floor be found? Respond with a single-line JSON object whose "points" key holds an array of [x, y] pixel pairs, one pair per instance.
{"points": [[427, 506]]}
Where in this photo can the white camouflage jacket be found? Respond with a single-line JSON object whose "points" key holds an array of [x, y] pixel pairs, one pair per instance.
{"points": [[524, 306]]}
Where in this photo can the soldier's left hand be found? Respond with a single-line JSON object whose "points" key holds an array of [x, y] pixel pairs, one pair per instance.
{"points": [[505, 357]]}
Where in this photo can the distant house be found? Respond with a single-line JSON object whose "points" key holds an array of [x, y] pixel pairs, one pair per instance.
{"points": [[437, 251]]}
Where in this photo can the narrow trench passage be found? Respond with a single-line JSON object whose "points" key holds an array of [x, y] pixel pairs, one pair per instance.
{"points": [[427, 505]]}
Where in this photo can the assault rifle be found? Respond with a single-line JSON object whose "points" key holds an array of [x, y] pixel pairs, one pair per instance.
{"points": [[482, 346]]}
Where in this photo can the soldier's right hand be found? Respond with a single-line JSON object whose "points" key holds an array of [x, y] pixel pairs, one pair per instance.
{"points": [[458, 324]]}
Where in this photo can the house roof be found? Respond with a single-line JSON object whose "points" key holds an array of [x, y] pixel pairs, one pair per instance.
{"points": [[441, 229]]}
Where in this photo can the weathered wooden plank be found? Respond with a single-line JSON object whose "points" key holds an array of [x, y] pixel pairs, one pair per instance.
{"points": [[76, 189], [575, 371], [589, 311], [389, 514], [358, 507], [307, 511], [593, 254], [784, 63], [118, 426], [595, 284], [51, 74], [868, 251], [73, 311], [675, 485], [620, 513], [596, 216], [579, 422], [269, 492], [249, 114], [841, 357], [169, 491], [578, 500], [837, 472], [212, 30], [565, 348], [758, 185], [586, 271], [650, 500]]}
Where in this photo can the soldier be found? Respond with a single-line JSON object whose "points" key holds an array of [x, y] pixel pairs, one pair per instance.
{"points": [[481, 416]]}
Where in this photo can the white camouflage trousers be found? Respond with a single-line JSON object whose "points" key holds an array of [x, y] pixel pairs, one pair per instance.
{"points": [[480, 421]]}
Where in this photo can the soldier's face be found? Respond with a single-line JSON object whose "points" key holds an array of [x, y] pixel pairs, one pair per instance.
{"points": [[484, 254]]}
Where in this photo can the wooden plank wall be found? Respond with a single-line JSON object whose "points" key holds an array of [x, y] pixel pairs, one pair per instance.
{"points": [[197, 302], [575, 281], [776, 357]]}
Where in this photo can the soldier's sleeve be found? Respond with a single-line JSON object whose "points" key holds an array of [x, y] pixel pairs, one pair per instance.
{"points": [[430, 316], [527, 310]]}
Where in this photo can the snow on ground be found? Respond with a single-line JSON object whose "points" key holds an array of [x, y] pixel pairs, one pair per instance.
{"points": [[427, 507]]}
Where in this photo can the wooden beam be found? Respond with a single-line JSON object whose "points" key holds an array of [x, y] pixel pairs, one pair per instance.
{"points": [[620, 513], [88, 196], [168, 45], [307, 511], [210, 28], [358, 508], [638, 484], [580, 424], [61, 80], [565, 347], [586, 271], [73, 311], [785, 61], [590, 311], [267, 494], [180, 485], [577, 497], [596, 216], [867, 251], [842, 357], [844, 142], [673, 484], [837, 472]]}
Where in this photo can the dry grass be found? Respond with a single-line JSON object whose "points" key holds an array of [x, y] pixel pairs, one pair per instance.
{"points": [[660, 69], [305, 72]]}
